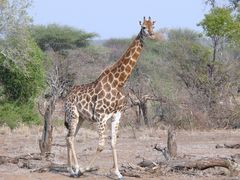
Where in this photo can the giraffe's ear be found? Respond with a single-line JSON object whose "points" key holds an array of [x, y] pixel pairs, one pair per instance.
{"points": [[153, 22], [140, 23]]}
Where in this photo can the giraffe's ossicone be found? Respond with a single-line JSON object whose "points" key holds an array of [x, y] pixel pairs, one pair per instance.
{"points": [[102, 100]]}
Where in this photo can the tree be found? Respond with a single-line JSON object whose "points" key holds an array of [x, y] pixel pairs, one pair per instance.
{"points": [[14, 32], [223, 21], [190, 63], [60, 37], [191, 55], [222, 27], [217, 25], [21, 64], [21, 61]]}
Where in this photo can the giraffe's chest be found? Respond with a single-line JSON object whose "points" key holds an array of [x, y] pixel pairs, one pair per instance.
{"points": [[112, 101]]}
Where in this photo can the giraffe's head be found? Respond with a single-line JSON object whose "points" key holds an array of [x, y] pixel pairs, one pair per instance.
{"points": [[147, 27]]}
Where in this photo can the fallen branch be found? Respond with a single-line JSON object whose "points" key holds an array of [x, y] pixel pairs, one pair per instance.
{"points": [[29, 161], [15, 160], [6, 159], [164, 151], [183, 165], [205, 163], [131, 170], [63, 168], [52, 168], [231, 146], [130, 174]]}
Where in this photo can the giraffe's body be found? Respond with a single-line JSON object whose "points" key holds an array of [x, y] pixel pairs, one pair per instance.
{"points": [[102, 99]]}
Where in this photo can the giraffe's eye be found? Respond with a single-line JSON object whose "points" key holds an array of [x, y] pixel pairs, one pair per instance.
{"points": [[144, 27]]}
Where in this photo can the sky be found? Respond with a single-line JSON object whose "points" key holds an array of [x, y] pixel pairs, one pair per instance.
{"points": [[118, 18]]}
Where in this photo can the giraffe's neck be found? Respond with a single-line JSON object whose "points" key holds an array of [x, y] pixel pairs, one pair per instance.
{"points": [[118, 73]]}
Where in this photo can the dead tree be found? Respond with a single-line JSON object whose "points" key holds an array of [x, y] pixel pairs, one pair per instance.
{"points": [[57, 87], [58, 82], [138, 99]]}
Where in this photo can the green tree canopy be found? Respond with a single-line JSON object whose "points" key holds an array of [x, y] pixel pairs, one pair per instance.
{"points": [[223, 22], [14, 31], [60, 37], [219, 22]]}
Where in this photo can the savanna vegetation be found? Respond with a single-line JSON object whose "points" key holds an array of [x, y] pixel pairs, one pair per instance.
{"points": [[183, 78]]}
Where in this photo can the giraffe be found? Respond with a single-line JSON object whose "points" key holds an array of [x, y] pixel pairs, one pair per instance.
{"points": [[102, 100]]}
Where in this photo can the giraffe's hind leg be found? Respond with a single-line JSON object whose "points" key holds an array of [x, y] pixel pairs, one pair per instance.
{"points": [[72, 123], [115, 124]]}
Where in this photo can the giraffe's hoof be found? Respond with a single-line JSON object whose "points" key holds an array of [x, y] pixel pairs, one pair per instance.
{"points": [[120, 177], [73, 175], [76, 173], [117, 175]]}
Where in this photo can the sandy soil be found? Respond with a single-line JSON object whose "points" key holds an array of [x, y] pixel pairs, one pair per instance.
{"points": [[197, 144]]}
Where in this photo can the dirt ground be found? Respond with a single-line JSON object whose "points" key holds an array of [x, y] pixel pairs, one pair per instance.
{"points": [[196, 144]]}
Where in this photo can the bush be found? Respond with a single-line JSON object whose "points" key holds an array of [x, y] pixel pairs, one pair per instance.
{"points": [[23, 84], [117, 46], [12, 114], [19, 87]]}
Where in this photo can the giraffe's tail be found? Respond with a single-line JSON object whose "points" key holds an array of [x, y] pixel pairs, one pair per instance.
{"points": [[65, 121]]}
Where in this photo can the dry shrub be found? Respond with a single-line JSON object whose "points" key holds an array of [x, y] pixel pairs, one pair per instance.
{"points": [[26, 130]]}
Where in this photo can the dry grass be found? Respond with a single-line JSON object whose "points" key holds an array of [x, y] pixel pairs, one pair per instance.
{"points": [[148, 133], [5, 130], [21, 129]]}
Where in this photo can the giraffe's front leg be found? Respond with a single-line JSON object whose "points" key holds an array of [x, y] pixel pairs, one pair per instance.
{"points": [[72, 158], [69, 156], [115, 123]]}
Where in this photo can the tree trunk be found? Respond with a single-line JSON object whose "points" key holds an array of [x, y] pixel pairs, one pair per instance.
{"points": [[138, 114], [171, 142], [45, 144], [211, 70], [143, 106]]}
